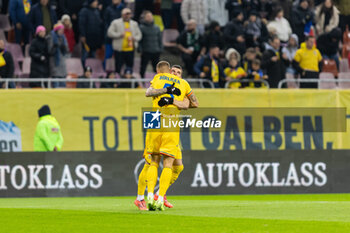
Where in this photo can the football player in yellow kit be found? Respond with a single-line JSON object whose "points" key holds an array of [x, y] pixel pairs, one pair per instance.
{"points": [[177, 165], [164, 143]]}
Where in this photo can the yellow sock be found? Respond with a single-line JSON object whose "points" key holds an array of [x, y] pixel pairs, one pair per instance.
{"points": [[164, 181], [152, 175], [176, 172], [141, 187]]}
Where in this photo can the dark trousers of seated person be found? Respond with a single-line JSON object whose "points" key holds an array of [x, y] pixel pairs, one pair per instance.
{"points": [[309, 75]]}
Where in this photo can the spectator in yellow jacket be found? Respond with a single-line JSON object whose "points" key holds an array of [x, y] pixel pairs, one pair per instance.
{"points": [[306, 62]]}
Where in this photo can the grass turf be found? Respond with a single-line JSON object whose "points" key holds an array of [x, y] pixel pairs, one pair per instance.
{"points": [[239, 213]]}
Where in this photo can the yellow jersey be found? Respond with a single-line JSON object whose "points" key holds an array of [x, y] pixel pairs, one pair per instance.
{"points": [[308, 59], [164, 80], [235, 73], [127, 44], [166, 141]]}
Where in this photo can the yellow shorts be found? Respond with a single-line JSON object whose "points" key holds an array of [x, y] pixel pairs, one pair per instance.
{"points": [[164, 143]]}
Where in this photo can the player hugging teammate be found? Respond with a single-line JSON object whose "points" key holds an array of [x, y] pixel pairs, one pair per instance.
{"points": [[168, 90]]}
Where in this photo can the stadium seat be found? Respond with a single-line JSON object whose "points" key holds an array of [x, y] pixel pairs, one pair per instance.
{"points": [[137, 64], [110, 64], [97, 68], [71, 84], [291, 84], [77, 50], [327, 85], [344, 76], [149, 75], [26, 67], [26, 51], [15, 50], [18, 71], [3, 36], [169, 37], [74, 66], [5, 23], [344, 66]]}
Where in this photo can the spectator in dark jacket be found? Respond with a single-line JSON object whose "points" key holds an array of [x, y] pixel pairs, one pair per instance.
{"points": [[141, 5], [19, 13], [302, 19], [91, 29], [189, 43], [6, 65], [274, 62], [234, 33], [127, 76], [72, 8], [213, 36], [112, 12], [110, 76], [167, 13], [39, 53], [328, 45], [234, 6], [209, 67], [255, 30], [87, 76], [43, 14], [151, 43]]}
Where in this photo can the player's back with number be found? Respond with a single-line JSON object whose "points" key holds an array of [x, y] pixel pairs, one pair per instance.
{"points": [[164, 80]]}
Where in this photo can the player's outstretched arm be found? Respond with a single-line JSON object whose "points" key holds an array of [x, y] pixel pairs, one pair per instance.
{"points": [[151, 92], [193, 101]]}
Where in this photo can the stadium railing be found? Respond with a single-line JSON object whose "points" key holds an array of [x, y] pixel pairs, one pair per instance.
{"points": [[227, 85], [133, 82], [318, 81]]}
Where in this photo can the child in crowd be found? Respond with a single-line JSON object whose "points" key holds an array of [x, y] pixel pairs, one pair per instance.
{"points": [[68, 32], [127, 75], [234, 71], [248, 58], [255, 73], [110, 76], [87, 76], [289, 51]]}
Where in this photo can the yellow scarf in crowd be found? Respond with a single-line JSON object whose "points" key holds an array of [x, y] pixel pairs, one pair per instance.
{"points": [[214, 71], [2, 59], [26, 5]]}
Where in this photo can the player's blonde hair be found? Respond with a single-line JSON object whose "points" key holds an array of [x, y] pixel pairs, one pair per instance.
{"points": [[163, 66]]}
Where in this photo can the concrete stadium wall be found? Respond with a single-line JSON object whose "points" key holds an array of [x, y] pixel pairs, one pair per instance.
{"points": [[63, 174]]}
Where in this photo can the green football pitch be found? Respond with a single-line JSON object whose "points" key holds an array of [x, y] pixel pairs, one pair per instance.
{"points": [[239, 213]]}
